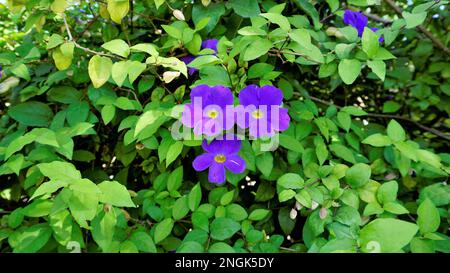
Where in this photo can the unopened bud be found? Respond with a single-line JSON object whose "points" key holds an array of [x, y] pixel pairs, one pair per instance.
{"points": [[314, 205], [169, 76], [178, 14], [293, 214], [298, 206], [158, 31], [140, 146], [323, 213]]}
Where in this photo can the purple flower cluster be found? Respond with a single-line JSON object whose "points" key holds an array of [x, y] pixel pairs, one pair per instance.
{"points": [[359, 21], [211, 111], [210, 44]]}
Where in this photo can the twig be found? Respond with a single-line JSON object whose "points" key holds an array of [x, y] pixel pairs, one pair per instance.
{"points": [[437, 43], [386, 116], [69, 33]]}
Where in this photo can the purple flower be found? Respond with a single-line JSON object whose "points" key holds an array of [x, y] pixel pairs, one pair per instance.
{"points": [[210, 111], [260, 111], [210, 43], [358, 21], [220, 155], [187, 60]]}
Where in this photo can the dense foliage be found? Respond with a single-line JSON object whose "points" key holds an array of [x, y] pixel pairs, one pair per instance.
{"points": [[89, 92]]}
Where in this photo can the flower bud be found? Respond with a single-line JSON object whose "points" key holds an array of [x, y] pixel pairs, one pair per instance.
{"points": [[323, 213], [314, 205], [206, 2], [178, 14], [158, 31], [169, 76], [298, 206], [293, 214]]}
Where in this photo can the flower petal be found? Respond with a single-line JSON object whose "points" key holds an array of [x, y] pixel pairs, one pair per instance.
{"points": [[216, 173], [284, 120], [249, 95], [270, 95], [202, 162], [211, 44], [356, 20], [235, 164]]}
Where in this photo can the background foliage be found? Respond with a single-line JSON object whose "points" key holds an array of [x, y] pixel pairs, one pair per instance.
{"points": [[87, 162]]}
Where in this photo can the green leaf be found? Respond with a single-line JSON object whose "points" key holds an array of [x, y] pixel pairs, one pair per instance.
{"points": [[146, 119], [145, 47], [258, 214], [213, 11], [278, 19], [32, 113], [387, 192], [223, 228], [99, 70], [163, 229], [395, 208], [429, 218], [264, 163], [118, 47], [221, 247], [414, 19], [83, 201], [108, 113], [119, 72], [395, 131], [200, 221], [236, 212], [290, 181], [143, 242], [245, 8], [391, 235], [358, 175], [391, 107], [344, 119], [175, 179], [195, 197], [32, 238], [118, 10], [180, 208], [349, 70], [377, 140], [257, 48], [103, 226], [379, 68], [173, 152], [60, 171], [21, 71], [370, 43], [54, 41], [115, 194]]}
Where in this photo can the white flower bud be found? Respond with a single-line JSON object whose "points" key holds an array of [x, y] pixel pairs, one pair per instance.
{"points": [[323, 213], [298, 206], [158, 31], [293, 214], [314, 205], [169, 76], [178, 14]]}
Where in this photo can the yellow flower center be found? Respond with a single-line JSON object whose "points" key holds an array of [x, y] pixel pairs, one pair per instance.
{"points": [[220, 158], [213, 113], [257, 114]]}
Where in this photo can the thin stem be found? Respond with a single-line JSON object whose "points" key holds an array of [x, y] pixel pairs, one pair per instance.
{"points": [[437, 43], [386, 116], [69, 33]]}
